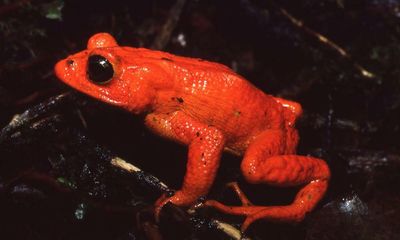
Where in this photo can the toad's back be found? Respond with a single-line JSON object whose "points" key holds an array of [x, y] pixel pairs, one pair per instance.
{"points": [[215, 95]]}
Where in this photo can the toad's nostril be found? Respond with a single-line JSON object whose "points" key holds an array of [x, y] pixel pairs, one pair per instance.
{"points": [[70, 62]]}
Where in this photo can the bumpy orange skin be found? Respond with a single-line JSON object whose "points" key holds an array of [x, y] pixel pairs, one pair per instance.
{"points": [[209, 108]]}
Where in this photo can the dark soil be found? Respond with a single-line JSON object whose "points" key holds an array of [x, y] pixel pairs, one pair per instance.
{"points": [[338, 58]]}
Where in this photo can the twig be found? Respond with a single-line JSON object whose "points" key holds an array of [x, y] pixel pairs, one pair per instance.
{"points": [[366, 160], [138, 173], [222, 226], [317, 121], [31, 114], [231, 231], [165, 34], [324, 40]]}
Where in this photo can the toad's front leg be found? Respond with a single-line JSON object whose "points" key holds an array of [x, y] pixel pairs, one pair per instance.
{"points": [[205, 147]]}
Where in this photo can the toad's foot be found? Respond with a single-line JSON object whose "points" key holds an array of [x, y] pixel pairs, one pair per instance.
{"points": [[304, 202]]}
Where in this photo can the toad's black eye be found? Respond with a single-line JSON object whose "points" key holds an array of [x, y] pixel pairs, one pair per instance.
{"points": [[99, 69]]}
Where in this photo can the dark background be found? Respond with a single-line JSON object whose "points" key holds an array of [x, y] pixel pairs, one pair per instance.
{"points": [[53, 187]]}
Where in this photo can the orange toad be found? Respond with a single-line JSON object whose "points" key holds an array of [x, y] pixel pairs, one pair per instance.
{"points": [[211, 109]]}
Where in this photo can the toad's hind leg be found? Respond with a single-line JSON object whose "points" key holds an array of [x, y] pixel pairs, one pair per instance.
{"points": [[262, 165]]}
